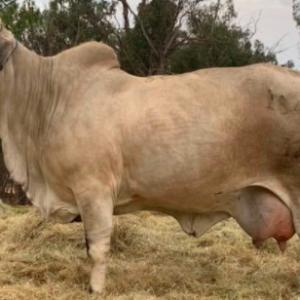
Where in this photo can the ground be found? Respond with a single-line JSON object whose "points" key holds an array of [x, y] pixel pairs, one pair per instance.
{"points": [[151, 259]]}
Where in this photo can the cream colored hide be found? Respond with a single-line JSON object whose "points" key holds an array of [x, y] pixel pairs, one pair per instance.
{"points": [[85, 138]]}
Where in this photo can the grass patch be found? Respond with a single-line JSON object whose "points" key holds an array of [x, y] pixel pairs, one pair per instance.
{"points": [[151, 258]]}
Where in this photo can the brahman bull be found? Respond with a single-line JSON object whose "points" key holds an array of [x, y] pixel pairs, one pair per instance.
{"points": [[85, 138]]}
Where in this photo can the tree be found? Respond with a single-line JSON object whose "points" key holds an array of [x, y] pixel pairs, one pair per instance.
{"points": [[145, 48], [4, 3], [175, 36], [68, 23], [296, 11], [25, 21], [225, 43]]}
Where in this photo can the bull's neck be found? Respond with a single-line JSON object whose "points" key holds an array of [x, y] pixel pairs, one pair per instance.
{"points": [[29, 88], [26, 90]]}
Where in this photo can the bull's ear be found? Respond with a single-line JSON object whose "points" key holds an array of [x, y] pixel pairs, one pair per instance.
{"points": [[7, 44], [6, 48]]}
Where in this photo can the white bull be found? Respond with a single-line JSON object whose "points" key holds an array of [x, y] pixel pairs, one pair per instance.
{"points": [[85, 138]]}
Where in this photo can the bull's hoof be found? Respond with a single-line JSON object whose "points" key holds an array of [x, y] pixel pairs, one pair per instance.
{"points": [[94, 291], [77, 220]]}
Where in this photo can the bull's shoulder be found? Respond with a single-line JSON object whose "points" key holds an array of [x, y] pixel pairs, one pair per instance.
{"points": [[88, 55]]}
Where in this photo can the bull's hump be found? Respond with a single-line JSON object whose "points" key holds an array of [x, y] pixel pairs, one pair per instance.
{"points": [[90, 54]]}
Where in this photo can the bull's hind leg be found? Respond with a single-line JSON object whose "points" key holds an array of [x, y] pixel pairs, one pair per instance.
{"points": [[96, 209]]}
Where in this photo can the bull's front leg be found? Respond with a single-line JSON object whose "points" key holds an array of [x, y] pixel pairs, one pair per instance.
{"points": [[96, 209]]}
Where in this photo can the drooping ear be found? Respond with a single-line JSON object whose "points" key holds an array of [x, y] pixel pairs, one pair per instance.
{"points": [[7, 44], [6, 47]]}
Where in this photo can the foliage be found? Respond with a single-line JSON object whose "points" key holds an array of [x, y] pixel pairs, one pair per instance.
{"points": [[25, 22], [137, 55], [296, 11], [72, 22], [168, 36], [218, 42], [178, 38], [64, 24]]}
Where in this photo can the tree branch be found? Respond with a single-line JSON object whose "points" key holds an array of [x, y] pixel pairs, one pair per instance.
{"points": [[174, 30], [7, 2], [217, 9], [125, 15], [124, 2]]}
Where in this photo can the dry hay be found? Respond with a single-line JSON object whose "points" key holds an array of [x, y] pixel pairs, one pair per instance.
{"points": [[151, 258]]}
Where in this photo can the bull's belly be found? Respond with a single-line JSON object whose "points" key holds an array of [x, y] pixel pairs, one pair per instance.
{"points": [[254, 204], [199, 203], [183, 191]]}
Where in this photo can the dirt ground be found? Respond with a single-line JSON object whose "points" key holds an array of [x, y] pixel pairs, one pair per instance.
{"points": [[151, 258]]}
